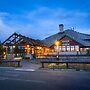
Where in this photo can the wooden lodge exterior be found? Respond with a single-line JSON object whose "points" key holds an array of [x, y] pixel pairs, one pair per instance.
{"points": [[19, 44], [72, 42]]}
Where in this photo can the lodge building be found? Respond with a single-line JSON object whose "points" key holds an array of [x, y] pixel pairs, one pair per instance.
{"points": [[69, 42]]}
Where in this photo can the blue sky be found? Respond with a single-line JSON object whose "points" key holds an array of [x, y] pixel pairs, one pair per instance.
{"points": [[39, 19]]}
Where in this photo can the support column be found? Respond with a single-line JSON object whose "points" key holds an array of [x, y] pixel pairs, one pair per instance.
{"points": [[67, 65], [13, 49], [42, 65], [28, 49], [6, 47], [6, 50]]}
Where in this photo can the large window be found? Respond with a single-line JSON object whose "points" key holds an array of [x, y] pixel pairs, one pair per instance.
{"points": [[55, 48], [72, 48], [68, 48], [65, 42], [60, 49], [77, 48], [63, 48]]}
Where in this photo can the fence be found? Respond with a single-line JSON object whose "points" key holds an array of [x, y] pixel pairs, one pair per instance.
{"points": [[64, 57]]}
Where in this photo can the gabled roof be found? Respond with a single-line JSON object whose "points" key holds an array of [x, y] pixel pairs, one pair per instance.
{"points": [[20, 40], [83, 39]]}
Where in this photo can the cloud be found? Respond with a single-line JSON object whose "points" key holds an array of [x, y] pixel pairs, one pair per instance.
{"points": [[47, 20], [41, 22], [5, 30]]}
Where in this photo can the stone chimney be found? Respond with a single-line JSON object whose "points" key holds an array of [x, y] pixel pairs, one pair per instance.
{"points": [[61, 27]]}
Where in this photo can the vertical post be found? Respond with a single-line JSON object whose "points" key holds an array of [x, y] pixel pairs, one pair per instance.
{"points": [[13, 47], [57, 43], [42, 65], [18, 63], [28, 49], [57, 51], [6, 50], [67, 65], [34, 56], [12, 50]]}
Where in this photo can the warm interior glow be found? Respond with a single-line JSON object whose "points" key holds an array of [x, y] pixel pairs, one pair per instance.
{"points": [[13, 46], [40, 48], [4, 53], [5, 46], [48, 49], [77, 50], [27, 45], [37, 47], [57, 43]]}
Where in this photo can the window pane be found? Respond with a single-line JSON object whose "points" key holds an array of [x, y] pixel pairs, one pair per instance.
{"points": [[72, 48], [63, 48], [68, 48], [76, 48]]}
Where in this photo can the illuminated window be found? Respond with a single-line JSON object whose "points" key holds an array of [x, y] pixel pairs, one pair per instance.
{"points": [[72, 48], [60, 48], [65, 42], [68, 48], [76, 48], [63, 48], [85, 49], [55, 48], [81, 49], [32, 50]]}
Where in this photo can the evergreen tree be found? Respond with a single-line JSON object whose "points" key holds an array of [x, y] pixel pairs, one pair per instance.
{"points": [[1, 50]]}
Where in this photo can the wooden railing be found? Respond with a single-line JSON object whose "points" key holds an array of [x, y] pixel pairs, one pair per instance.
{"points": [[63, 57], [66, 62], [11, 61]]}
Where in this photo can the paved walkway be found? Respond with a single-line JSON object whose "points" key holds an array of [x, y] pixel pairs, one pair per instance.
{"points": [[25, 66], [28, 66]]}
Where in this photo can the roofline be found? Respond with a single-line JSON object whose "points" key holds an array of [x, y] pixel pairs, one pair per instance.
{"points": [[70, 38]]}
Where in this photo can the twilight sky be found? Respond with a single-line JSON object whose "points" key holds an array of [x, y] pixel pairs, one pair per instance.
{"points": [[39, 19]]}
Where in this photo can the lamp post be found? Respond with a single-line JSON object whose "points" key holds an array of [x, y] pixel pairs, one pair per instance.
{"points": [[57, 43], [57, 49]]}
